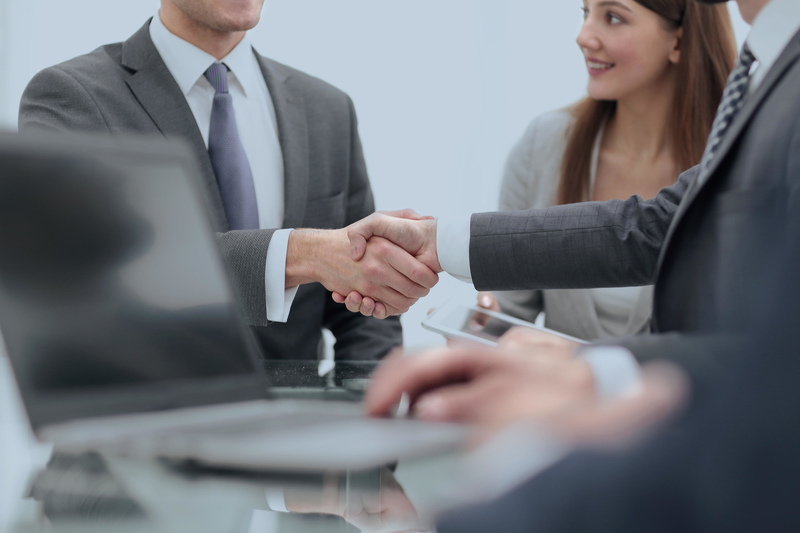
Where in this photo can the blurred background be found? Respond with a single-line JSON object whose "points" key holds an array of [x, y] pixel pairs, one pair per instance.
{"points": [[443, 88]]}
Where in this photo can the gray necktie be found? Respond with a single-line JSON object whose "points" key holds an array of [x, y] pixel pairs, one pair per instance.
{"points": [[234, 177], [732, 101]]}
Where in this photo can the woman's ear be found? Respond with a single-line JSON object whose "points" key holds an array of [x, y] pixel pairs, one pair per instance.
{"points": [[675, 53]]}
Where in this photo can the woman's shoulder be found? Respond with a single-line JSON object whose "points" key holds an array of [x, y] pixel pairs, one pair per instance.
{"points": [[550, 126], [545, 138], [533, 166]]}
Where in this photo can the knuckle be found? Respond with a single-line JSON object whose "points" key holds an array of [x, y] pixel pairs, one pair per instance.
{"points": [[372, 270]]}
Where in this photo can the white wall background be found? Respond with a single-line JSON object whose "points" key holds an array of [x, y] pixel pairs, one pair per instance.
{"points": [[443, 88]]}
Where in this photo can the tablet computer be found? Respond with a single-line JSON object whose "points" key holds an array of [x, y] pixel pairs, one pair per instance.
{"points": [[464, 322]]}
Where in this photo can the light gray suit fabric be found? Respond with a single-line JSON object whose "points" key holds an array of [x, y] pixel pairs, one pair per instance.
{"points": [[127, 88], [693, 241], [530, 180]]}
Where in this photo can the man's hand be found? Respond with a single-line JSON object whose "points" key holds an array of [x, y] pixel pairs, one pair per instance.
{"points": [[385, 273], [413, 232], [493, 388], [484, 386]]}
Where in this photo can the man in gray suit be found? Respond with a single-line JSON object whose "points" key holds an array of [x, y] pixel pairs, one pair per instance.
{"points": [[695, 240], [277, 149]]}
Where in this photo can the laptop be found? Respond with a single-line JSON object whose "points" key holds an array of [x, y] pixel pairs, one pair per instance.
{"points": [[123, 330]]}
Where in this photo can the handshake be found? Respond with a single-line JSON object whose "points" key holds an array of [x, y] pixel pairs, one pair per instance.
{"points": [[379, 266]]}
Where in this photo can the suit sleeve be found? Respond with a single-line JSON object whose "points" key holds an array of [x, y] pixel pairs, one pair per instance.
{"points": [[577, 246], [730, 465], [359, 337], [55, 101], [515, 195], [703, 356]]}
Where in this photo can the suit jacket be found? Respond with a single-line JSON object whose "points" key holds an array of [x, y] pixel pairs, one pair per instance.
{"points": [[732, 467], [127, 88], [732, 464], [694, 241], [530, 180]]}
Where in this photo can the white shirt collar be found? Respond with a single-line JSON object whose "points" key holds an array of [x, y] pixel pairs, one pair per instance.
{"points": [[187, 63], [772, 30]]}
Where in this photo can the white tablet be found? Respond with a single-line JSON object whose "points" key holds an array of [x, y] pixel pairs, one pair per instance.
{"points": [[458, 321]]}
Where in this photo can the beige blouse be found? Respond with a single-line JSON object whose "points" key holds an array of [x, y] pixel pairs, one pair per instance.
{"points": [[530, 180]]}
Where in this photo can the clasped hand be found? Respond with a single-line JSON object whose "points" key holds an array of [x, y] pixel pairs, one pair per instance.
{"points": [[384, 263], [405, 229]]}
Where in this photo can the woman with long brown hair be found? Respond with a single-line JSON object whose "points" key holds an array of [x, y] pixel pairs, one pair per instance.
{"points": [[657, 70]]}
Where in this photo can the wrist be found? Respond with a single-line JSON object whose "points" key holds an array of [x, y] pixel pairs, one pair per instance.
{"points": [[305, 252]]}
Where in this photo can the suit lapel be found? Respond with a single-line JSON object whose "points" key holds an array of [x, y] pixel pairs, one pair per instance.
{"points": [[752, 104], [162, 99], [293, 137]]}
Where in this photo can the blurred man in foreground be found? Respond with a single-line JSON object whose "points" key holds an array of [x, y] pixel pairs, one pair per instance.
{"points": [[727, 464]]}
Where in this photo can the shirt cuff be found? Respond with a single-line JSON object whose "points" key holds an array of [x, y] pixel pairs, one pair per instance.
{"points": [[616, 371], [276, 499], [279, 298], [452, 245]]}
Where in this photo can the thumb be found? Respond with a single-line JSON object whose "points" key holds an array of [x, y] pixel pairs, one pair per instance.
{"points": [[408, 214], [359, 233]]}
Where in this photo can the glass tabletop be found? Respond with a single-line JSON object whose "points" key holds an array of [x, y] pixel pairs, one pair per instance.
{"points": [[44, 489], [93, 492], [49, 490]]}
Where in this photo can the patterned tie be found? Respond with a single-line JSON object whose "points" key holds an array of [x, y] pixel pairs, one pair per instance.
{"points": [[732, 101], [234, 177]]}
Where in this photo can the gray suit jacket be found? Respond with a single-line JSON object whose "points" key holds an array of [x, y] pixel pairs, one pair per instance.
{"points": [[530, 180], [693, 241], [127, 88]]}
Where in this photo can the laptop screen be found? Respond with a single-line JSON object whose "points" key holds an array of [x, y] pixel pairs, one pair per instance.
{"points": [[111, 285]]}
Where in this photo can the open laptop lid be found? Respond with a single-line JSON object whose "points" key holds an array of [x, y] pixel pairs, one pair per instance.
{"points": [[113, 296]]}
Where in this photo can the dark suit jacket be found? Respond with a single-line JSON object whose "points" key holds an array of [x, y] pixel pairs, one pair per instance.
{"points": [[732, 465], [693, 241], [127, 88]]}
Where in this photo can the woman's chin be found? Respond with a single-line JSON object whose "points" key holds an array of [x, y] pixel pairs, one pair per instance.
{"points": [[602, 93]]}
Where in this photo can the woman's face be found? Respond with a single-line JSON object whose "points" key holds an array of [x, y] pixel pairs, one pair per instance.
{"points": [[627, 48]]}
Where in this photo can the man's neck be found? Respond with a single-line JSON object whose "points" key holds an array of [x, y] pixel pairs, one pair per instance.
{"points": [[751, 8], [215, 42]]}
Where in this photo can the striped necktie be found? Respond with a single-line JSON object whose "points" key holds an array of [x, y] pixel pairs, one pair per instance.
{"points": [[732, 100]]}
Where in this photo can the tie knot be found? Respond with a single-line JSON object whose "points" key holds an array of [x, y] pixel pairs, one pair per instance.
{"points": [[217, 75]]}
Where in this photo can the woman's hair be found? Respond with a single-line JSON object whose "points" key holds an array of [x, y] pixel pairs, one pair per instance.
{"points": [[708, 54]]}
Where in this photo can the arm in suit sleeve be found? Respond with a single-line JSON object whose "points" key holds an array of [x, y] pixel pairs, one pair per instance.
{"points": [[519, 179], [359, 337], [55, 101], [703, 356], [731, 465], [593, 244], [706, 355]]}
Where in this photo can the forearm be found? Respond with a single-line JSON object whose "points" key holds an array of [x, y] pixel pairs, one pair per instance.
{"points": [[704, 357], [594, 244]]}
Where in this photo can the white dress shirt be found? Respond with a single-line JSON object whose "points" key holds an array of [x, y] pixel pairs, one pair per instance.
{"points": [[615, 368], [258, 130]]}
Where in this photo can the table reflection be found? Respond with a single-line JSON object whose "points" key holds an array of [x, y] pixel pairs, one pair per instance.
{"points": [[92, 492]]}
